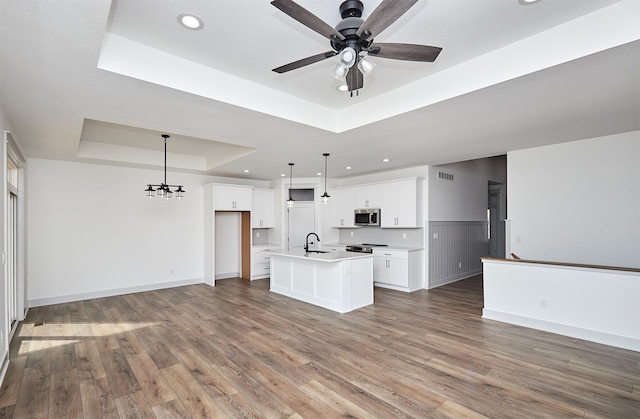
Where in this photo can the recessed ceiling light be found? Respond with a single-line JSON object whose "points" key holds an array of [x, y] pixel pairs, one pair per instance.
{"points": [[343, 88], [282, 175], [190, 21], [246, 170], [385, 160], [348, 167], [319, 174], [526, 2]]}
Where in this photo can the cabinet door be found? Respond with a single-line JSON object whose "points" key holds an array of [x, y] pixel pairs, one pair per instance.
{"points": [[391, 267], [398, 272], [231, 198], [342, 206], [380, 270], [399, 205], [368, 196], [262, 214], [242, 198], [223, 198]]}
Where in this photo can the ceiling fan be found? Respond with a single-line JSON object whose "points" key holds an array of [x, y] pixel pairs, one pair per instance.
{"points": [[353, 36]]}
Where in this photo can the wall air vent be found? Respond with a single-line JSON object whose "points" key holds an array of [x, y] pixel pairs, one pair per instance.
{"points": [[445, 176]]}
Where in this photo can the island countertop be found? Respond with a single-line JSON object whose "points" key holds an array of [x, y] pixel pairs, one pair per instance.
{"points": [[320, 257]]}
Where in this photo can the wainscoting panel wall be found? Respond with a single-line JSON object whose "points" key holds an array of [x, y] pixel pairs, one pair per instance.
{"points": [[455, 249]]}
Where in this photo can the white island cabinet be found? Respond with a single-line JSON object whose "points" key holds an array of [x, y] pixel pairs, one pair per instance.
{"points": [[339, 281]]}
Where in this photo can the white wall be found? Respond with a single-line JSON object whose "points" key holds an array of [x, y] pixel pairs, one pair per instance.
{"points": [[577, 202], [465, 198], [92, 230], [228, 236]]}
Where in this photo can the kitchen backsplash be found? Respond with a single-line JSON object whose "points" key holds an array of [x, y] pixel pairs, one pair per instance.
{"points": [[388, 236], [261, 236]]}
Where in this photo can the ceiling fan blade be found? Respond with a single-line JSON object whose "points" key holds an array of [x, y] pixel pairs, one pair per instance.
{"points": [[305, 61], [307, 18], [407, 52], [384, 15], [355, 79]]}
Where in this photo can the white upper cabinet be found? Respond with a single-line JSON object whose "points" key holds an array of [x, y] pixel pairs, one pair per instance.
{"points": [[368, 196], [398, 203], [232, 198], [343, 203], [262, 214]]}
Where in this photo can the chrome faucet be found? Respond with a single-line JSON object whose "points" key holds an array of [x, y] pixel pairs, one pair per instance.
{"points": [[306, 241]]}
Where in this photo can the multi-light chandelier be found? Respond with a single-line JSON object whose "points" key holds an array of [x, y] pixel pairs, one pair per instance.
{"points": [[165, 190]]}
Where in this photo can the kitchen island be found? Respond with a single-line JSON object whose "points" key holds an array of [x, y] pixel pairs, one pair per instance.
{"points": [[339, 281]]}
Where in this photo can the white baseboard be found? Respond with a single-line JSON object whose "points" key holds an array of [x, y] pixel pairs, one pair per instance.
{"points": [[39, 302], [3, 367], [228, 275], [565, 330]]}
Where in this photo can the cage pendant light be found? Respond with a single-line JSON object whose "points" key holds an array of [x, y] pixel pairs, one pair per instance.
{"points": [[325, 196], [164, 189], [290, 200]]}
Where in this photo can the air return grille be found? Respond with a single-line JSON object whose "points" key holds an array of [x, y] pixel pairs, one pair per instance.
{"points": [[445, 175]]}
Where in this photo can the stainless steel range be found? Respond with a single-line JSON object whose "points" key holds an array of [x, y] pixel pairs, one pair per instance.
{"points": [[363, 248]]}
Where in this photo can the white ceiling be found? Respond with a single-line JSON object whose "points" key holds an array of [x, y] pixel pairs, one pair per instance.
{"points": [[99, 81]]}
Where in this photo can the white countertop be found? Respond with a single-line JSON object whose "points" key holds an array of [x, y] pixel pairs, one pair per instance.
{"points": [[401, 248], [321, 257]]}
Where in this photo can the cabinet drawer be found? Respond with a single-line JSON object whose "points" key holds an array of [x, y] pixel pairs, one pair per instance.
{"points": [[260, 257], [260, 270], [390, 254]]}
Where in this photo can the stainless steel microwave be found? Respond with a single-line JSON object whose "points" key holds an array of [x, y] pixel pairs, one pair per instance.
{"points": [[367, 217]]}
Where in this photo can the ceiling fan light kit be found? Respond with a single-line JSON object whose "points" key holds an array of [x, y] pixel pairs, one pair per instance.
{"points": [[352, 39]]}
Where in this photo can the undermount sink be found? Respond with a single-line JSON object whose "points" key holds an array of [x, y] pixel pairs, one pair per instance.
{"points": [[317, 251]]}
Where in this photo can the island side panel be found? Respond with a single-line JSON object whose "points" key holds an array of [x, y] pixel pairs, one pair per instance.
{"points": [[280, 271], [361, 283], [303, 278], [329, 286]]}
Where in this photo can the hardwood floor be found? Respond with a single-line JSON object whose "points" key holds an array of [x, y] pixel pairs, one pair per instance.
{"points": [[238, 350]]}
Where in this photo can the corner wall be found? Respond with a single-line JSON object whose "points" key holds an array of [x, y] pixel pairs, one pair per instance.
{"points": [[92, 232], [457, 234]]}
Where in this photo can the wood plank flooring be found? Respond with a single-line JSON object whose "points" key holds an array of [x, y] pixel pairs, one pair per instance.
{"points": [[238, 350]]}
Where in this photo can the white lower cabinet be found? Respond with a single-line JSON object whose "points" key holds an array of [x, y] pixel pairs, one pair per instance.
{"points": [[261, 262], [397, 269]]}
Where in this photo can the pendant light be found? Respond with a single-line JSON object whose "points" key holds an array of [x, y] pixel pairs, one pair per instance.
{"points": [[325, 196], [164, 189], [290, 200]]}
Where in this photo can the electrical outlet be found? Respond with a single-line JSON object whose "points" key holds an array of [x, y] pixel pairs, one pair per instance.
{"points": [[172, 272], [435, 235], [257, 234], [404, 235], [459, 265], [544, 303], [352, 234]]}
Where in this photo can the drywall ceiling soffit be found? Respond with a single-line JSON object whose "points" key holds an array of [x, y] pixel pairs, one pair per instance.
{"points": [[498, 93], [103, 141]]}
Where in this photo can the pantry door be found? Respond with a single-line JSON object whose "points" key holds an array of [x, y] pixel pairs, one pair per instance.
{"points": [[300, 222]]}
